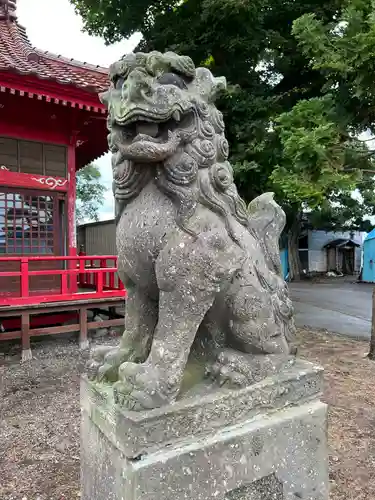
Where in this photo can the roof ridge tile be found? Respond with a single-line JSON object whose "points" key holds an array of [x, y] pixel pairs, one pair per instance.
{"points": [[72, 61]]}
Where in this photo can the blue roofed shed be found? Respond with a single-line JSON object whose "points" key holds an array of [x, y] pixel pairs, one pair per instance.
{"points": [[368, 272]]}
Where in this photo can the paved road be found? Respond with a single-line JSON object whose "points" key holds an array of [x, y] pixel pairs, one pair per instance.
{"points": [[340, 307]]}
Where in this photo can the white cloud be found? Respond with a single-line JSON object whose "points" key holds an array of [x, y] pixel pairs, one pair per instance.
{"points": [[53, 25]]}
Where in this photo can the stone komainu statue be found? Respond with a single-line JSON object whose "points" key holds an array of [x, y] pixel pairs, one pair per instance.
{"points": [[202, 270]]}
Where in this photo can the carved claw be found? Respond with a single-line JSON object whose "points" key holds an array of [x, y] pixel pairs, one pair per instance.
{"points": [[92, 368], [141, 387], [105, 362], [230, 368], [240, 370], [96, 360], [225, 375]]}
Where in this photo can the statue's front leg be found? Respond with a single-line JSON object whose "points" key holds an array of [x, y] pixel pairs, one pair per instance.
{"points": [[140, 322], [157, 381]]}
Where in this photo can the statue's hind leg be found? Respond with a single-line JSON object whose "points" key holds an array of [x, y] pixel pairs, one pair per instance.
{"points": [[260, 346], [241, 369]]}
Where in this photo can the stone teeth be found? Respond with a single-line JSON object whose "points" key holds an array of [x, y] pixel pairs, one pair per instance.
{"points": [[176, 115]]}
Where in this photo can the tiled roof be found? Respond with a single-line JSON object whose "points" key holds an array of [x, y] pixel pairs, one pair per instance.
{"points": [[341, 242], [18, 55]]}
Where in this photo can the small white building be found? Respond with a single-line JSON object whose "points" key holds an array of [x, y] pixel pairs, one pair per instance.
{"points": [[322, 251]]}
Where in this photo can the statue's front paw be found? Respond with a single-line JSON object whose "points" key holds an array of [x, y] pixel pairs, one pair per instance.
{"points": [[140, 387], [96, 360]]}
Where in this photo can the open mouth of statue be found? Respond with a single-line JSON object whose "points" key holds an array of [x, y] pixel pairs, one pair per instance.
{"points": [[153, 140], [142, 127]]}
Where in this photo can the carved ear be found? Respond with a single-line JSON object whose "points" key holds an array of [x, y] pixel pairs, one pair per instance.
{"points": [[155, 63], [220, 84], [123, 66], [210, 87], [182, 64], [104, 97], [117, 68]]}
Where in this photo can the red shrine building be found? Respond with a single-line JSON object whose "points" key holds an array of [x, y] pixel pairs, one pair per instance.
{"points": [[51, 125]]}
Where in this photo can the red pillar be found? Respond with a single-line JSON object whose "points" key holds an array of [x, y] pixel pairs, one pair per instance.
{"points": [[71, 209]]}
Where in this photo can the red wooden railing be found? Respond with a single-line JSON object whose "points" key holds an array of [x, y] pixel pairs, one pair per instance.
{"points": [[90, 273], [90, 280]]}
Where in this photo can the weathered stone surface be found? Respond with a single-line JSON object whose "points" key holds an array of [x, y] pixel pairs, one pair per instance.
{"points": [[201, 413], [202, 270], [262, 443]]}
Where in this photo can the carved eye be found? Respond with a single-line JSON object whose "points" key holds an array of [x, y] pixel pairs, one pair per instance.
{"points": [[172, 79]]}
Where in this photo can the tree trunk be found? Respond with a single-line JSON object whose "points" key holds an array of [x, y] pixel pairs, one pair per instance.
{"points": [[371, 354], [293, 253]]}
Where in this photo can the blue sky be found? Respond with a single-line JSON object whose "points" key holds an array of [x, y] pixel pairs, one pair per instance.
{"points": [[53, 25]]}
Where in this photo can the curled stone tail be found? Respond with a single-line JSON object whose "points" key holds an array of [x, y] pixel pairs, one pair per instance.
{"points": [[267, 220]]}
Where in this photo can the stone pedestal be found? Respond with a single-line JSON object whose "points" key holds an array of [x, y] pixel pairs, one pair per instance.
{"points": [[264, 442]]}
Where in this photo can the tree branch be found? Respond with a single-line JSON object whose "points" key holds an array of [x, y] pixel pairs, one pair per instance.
{"points": [[365, 170]]}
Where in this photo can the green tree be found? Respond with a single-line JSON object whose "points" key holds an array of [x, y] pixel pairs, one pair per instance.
{"points": [[291, 130], [321, 164], [90, 193], [344, 52]]}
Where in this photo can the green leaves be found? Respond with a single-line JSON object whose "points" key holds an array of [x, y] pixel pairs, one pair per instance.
{"points": [[311, 158], [90, 193], [344, 50], [319, 157]]}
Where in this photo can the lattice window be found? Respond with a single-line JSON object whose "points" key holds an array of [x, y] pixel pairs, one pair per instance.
{"points": [[28, 223]]}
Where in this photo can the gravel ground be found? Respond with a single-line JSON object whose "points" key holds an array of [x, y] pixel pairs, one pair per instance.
{"points": [[40, 418], [349, 392], [40, 422]]}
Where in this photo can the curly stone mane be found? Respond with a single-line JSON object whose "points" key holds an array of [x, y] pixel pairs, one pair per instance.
{"points": [[202, 174], [197, 169]]}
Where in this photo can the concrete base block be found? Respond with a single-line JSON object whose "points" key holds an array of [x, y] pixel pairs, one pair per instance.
{"points": [[264, 442]]}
